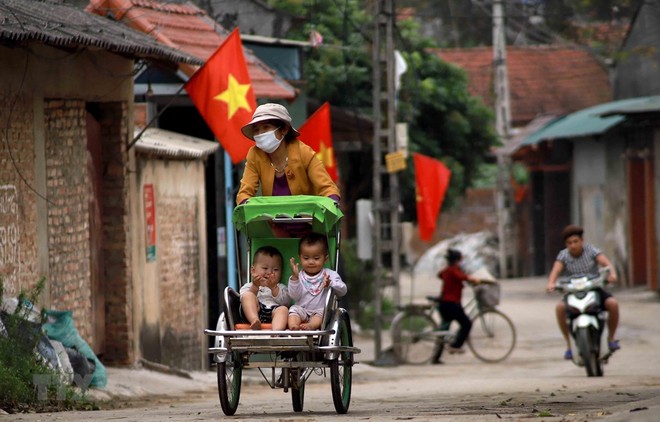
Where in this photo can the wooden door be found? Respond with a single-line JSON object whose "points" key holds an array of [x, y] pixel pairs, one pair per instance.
{"points": [[94, 169], [641, 224]]}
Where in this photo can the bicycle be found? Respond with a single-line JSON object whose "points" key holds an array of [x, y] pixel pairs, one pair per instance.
{"points": [[417, 332]]}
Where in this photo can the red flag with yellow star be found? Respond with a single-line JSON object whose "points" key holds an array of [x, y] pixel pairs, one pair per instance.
{"points": [[316, 133], [222, 92], [431, 182]]}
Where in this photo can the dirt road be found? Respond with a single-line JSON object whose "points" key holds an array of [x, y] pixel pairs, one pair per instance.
{"points": [[533, 383]]}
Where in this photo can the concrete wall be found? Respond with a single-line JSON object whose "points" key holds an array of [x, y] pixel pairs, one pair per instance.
{"points": [[170, 290], [656, 187], [636, 71], [599, 196], [251, 16]]}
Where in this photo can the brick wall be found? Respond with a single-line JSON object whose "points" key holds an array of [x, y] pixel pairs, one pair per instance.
{"points": [[18, 214], [475, 212], [68, 220], [181, 299], [119, 332]]}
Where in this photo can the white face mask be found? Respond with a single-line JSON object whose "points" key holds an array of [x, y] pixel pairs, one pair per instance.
{"points": [[267, 141]]}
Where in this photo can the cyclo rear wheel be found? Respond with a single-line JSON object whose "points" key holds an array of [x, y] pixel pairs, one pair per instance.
{"points": [[229, 382], [492, 337], [341, 369], [413, 338]]}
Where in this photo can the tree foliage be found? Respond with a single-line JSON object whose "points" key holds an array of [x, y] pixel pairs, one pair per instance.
{"points": [[445, 122]]}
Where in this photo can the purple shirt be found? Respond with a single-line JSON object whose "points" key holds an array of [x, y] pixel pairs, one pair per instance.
{"points": [[281, 186]]}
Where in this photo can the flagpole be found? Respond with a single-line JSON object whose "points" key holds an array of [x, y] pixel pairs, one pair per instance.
{"points": [[230, 236], [153, 119]]}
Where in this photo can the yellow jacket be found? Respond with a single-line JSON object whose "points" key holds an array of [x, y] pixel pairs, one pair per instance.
{"points": [[305, 173]]}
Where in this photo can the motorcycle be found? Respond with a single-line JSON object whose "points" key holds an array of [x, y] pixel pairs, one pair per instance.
{"points": [[586, 319]]}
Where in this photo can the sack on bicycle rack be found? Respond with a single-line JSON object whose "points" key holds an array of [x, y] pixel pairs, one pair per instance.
{"points": [[488, 295]]}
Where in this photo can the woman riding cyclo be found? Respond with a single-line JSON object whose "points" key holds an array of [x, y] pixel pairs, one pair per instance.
{"points": [[279, 163]]}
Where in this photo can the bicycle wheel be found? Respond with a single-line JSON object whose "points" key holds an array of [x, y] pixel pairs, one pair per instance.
{"points": [[492, 337], [413, 340]]}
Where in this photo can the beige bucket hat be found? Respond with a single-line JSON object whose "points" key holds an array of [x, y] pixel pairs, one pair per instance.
{"points": [[268, 111]]}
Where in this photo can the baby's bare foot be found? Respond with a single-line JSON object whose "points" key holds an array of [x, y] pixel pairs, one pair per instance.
{"points": [[304, 326], [255, 325]]}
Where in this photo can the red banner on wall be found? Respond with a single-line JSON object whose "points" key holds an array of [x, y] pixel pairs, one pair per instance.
{"points": [[150, 221]]}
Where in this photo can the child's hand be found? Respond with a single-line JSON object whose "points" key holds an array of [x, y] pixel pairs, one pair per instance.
{"points": [[257, 279], [267, 280], [294, 269], [326, 280]]}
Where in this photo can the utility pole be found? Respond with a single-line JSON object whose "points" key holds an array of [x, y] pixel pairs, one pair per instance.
{"points": [[386, 231], [503, 127]]}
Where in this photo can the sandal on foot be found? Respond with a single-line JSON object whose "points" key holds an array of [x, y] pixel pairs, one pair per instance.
{"points": [[568, 354], [613, 345]]}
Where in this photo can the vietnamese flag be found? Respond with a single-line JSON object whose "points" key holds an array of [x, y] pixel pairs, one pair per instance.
{"points": [[316, 133], [222, 92], [431, 182]]}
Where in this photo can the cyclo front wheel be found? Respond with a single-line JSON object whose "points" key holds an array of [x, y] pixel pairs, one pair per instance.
{"points": [[413, 338], [297, 382], [492, 337], [229, 382]]}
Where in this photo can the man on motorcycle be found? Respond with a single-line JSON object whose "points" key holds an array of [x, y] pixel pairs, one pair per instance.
{"points": [[583, 258]]}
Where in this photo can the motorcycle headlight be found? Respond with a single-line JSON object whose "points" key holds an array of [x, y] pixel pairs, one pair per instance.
{"points": [[579, 283]]}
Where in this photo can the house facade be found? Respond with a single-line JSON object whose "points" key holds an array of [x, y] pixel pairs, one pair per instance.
{"points": [[170, 257], [67, 181], [161, 103], [610, 153], [613, 154], [544, 82]]}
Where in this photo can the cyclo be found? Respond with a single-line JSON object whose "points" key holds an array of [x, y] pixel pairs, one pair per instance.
{"points": [[285, 359]]}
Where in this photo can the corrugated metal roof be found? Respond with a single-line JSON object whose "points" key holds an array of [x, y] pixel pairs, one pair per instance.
{"points": [[164, 143], [516, 140], [62, 25], [644, 106], [190, 29], [274, 41], [593, 120]]}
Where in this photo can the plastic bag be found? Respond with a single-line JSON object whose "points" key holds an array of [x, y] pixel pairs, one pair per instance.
{"points": [[61, 328]]}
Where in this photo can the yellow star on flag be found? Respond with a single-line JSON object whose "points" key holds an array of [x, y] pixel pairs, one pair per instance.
{"points": [[326, 155], [234, 96]]}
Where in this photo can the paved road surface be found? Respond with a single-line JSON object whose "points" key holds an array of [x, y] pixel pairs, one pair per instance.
{"points": [[533, 383]]}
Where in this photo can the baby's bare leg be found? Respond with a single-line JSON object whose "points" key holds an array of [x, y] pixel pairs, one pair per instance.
{"points": [[280, 318], [250, 307], [314, 323], [294, 322]]}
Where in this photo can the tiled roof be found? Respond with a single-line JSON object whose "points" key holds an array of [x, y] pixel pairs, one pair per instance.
{"points": [[188, 28], [62, 25], [542, 79]]}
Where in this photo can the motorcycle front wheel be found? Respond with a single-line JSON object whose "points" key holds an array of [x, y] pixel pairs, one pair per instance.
{"points": [[585, 341]]}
